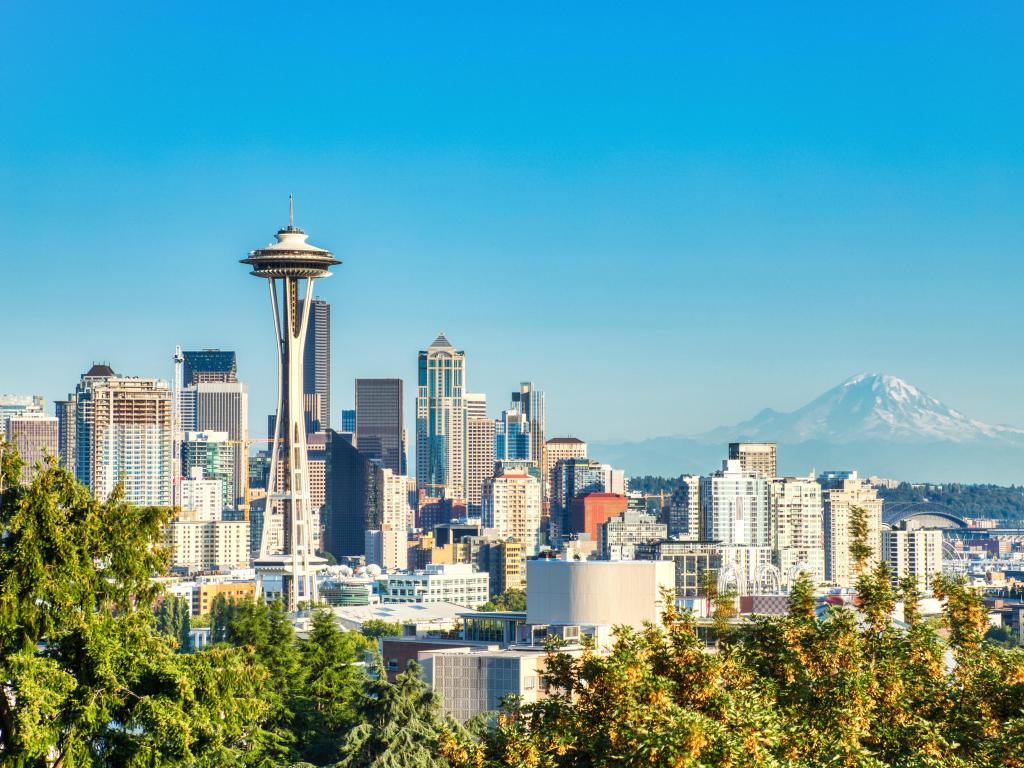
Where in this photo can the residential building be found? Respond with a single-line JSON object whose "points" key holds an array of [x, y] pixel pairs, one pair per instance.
{"points": [[387, 546], [379, 419], [35, 436], [201, 497], [512, 506], [555, 450], [202, 546], [839, 500], [759, 458], [684, 510], [734, 507], [460, 584], [124, 435], [618, 536], [441, 421], [65, 411], [913, 552], [316, 361], [590, 510], [233, 590], [571, 478], [479, 450], [798, 535], [215, 455]]}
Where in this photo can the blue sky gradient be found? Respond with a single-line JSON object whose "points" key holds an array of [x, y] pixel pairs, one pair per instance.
{"points": [[667, 218]]}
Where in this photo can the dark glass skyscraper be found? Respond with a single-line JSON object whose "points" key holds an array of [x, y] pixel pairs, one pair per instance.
{"points": [[379, 422], [353, 502], [209, 365], [316, 374]]}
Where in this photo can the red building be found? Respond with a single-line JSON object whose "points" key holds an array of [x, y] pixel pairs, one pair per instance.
{"points": [[591, 509]]}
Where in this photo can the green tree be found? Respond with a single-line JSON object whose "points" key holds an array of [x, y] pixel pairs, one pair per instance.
{"points": [[509, 600], [403, 725], [88, 679], [374, 629], [173, 619]]}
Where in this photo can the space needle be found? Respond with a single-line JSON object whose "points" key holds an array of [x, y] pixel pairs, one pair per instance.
{"points": [[292, 560]]}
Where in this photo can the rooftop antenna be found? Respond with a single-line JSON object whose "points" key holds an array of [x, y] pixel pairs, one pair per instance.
{"points": [[291, 212]]}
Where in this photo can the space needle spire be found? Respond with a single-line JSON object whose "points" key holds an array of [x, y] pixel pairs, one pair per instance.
{"points": [[288, 565]]}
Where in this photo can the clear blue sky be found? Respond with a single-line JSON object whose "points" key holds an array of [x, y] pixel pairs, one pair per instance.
{"points": [[666, 218]]}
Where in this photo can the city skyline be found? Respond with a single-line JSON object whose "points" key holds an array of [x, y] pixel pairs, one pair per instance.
{"points": [[692, 214]]}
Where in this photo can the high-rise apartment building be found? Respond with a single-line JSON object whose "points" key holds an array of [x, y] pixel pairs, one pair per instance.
{"points": [[684, 510], [202, 498], [316, 376], [512, 506], [734, 507], [556, 449], [479, 450], [387, 546], [379, 419], [65, 410], [839, 500], [759, 458], [35, 436], [124, 435], [441, 420], [913, 552], [531, 402], [798, 537], [220, 405]]}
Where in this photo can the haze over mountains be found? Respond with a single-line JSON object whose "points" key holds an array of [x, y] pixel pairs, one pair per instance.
{"points": [[876, 423]]}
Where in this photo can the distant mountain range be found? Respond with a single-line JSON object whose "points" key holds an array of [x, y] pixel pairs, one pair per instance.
{"points": [[876, 423]]}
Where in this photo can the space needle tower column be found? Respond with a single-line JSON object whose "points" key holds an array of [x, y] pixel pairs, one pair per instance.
{"points": [[290, 266]]}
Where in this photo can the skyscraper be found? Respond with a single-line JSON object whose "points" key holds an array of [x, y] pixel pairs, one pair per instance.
{"points": [[512, 437], [211, 452], [759, 458], [353, 499], [290, 570], [479, 450], [734, 507], [839, 499], [209, 365], [531, 402], [348, 421], [441, 420], [65, 410], [15, 405], [512, 506], [316, 373], [220, 406], [379, 418], [124, 435], [556, 449], [797, 533]]}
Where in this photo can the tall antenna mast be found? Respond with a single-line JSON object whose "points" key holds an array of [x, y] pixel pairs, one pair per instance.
{"points": [[291, 212]]}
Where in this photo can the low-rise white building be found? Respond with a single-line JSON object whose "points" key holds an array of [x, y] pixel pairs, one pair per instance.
{"points": [[472, 681], [460, 584]]}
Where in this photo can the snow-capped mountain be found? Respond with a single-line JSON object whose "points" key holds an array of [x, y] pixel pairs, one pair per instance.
{"points": [[876, 423], [869, 406]]}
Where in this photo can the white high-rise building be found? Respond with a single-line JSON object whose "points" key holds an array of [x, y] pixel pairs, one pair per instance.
{"points": [[199, 546], [849, 492], [441, 421], [913, 552], [513, 508], [35, 436], [618, 536], [479, 450], [221, 406], [214, 453], [614, 480], [124, 435], [387, 546], [734, 507], [798, 537], [201, 498]]}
